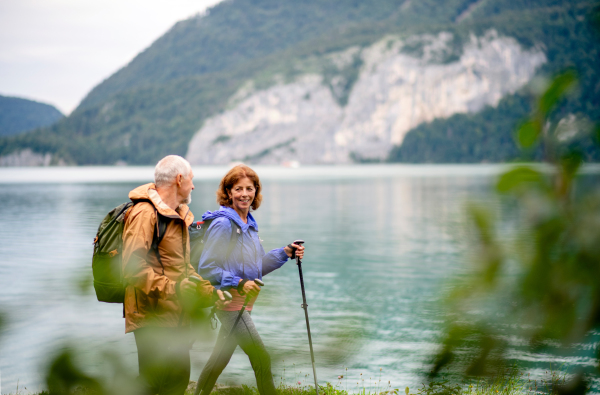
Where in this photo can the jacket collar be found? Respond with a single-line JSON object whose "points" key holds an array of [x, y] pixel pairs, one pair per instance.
{"points": [[149, 193], [230, 213]]}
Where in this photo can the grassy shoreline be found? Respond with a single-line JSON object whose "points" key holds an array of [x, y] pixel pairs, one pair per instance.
{"points": [[509, 382]]}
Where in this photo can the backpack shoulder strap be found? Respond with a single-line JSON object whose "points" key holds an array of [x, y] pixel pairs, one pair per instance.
{"points": [[159, 234]]}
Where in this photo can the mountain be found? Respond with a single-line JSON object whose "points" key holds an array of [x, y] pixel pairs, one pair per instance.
{"points": [[21, 115], [333, 81], [392, 92]]}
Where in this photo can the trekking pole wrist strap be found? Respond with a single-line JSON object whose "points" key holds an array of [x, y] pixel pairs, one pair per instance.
{"points": [[293, 251], [240, 287]]}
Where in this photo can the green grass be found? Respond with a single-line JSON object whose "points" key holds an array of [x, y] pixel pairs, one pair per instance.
{"points": [[508, 382]]}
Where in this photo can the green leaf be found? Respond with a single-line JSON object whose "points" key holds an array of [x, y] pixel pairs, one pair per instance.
{"points": [[559, 86], [596, 136], [528, 133], [571, 162], [517, 178]]}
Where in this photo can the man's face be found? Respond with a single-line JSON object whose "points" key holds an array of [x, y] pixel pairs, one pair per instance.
{"points": [[186, 188]]}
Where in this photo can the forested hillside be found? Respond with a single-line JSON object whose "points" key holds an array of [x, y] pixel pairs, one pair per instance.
{"points": [[21, 115], [154, 105]]}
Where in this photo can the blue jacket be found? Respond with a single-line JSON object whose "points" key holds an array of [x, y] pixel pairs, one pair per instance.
{"points": [[247, 260]]}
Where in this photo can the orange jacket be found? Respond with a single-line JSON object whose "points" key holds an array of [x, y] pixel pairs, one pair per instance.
{"points": [[150, 295]]}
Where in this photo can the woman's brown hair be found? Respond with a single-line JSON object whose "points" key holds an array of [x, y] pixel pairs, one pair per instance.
{"points": [[231, 178]]}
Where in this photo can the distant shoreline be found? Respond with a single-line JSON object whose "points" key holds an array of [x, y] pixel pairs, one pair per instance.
{"points": [[121, 174]]}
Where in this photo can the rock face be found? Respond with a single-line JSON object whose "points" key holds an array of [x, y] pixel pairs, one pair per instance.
{"points": [[25, 158], [400, 84]]}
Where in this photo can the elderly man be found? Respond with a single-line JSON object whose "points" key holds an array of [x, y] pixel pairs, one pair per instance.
{"points": [[156, 267]]}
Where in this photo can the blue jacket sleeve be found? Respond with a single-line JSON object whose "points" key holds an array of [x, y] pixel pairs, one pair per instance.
{"points": [[274, 259], [212, 265]]}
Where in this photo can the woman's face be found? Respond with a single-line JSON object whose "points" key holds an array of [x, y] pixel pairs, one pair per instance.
{"points": [[242, 195]]}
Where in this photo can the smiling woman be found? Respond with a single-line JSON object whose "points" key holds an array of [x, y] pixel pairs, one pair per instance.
{"points": [[57, 50], [239, 270]]}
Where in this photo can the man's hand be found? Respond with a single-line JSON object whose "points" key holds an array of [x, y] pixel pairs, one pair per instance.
{"points": [[251, 289], [299, 250], [188, 292], [188, 288]]}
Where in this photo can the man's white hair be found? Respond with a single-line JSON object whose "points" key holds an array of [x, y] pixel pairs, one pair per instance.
{"points": [[168, 168]]}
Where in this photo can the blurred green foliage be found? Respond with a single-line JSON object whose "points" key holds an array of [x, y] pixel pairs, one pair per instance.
{"points": [[538, 281], [65, 377], [154, 105]]}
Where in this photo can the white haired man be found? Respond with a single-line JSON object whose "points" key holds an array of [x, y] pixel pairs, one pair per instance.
{"points": [[157, 276]]}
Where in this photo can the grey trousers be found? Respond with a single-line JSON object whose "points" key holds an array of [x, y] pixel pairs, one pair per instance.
{"points": [[249, 340]]}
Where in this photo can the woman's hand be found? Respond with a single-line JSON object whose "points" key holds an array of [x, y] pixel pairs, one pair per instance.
{"points": [[221, 302], [299, 251], [251, 289]]}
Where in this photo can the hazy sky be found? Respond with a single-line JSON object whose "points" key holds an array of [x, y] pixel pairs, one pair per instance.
{"points": [[56, 51]]}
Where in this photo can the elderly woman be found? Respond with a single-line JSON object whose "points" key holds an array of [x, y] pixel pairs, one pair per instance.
{"points": [[231, 259]]}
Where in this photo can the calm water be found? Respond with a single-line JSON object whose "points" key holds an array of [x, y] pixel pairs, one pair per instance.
{"points": [[380, 242]]}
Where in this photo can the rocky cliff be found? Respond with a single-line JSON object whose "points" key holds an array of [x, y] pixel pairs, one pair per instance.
{"points": [[340, 117]]}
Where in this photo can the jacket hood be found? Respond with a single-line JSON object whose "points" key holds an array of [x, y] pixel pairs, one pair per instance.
{"points": [[149, 193], [230, 213]]}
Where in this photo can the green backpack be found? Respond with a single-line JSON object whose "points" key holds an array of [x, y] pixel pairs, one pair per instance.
{"points": [[107, 260]]}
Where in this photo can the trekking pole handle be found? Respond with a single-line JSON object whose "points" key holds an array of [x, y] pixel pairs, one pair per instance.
{"points": [[297, 242], [259, 283], [227, 295]]}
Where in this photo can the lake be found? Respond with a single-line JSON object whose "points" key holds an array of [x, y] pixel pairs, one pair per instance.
{"points": [[381, 241]]}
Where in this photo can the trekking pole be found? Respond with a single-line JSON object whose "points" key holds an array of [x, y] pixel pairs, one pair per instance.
{"points": [[239, 316], [305, 307], [242, 310]]}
